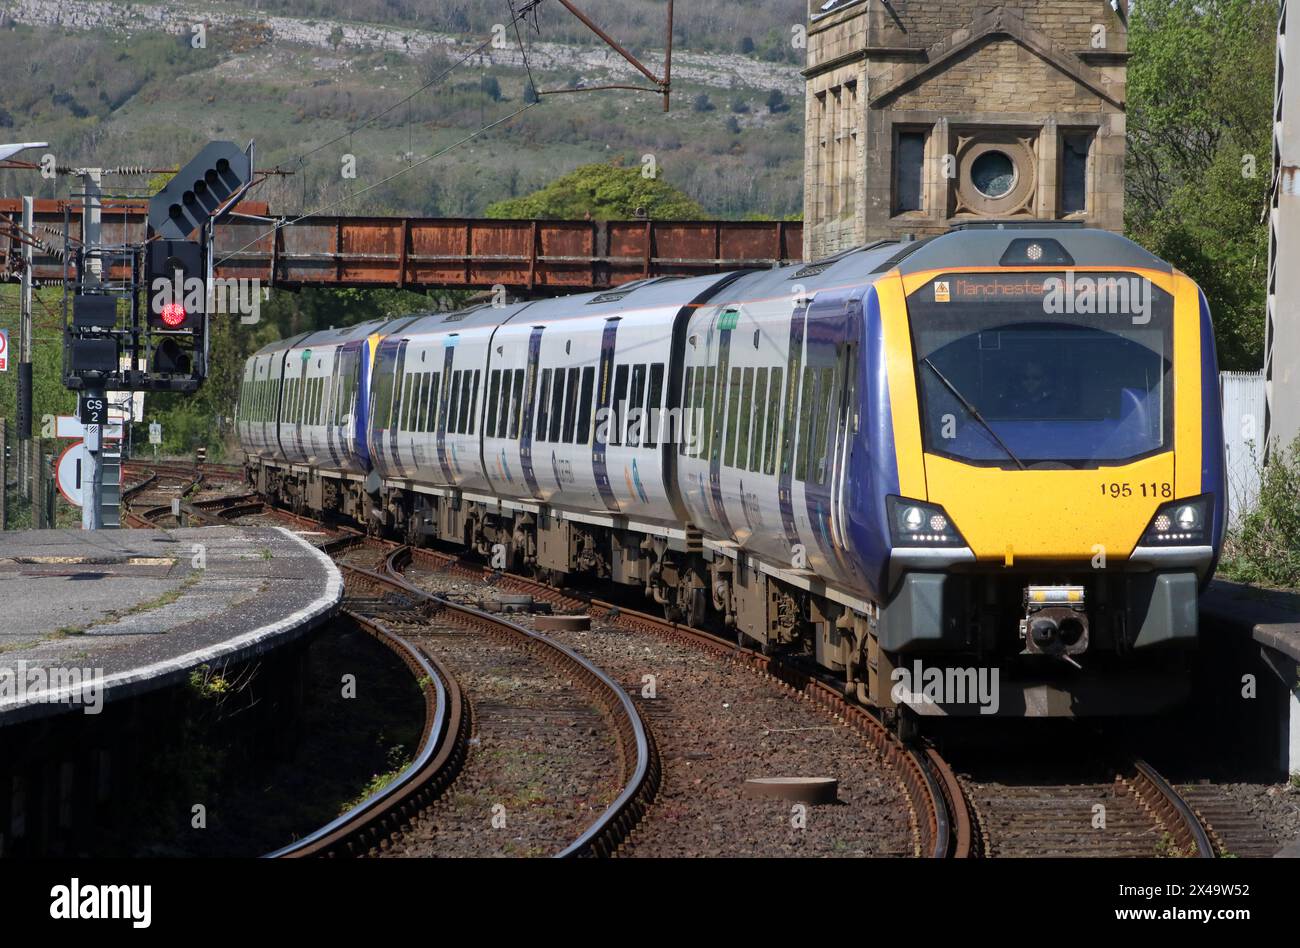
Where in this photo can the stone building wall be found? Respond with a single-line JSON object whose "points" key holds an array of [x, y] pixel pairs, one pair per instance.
{"points": [[924, 113]]}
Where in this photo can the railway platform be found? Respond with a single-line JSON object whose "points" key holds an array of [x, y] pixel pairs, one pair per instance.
{"points": [[1267, 621], [88, 619]]}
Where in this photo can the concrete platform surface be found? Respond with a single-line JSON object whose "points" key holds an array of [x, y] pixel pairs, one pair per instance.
{"points": [[89, 617], [1270, 616]]}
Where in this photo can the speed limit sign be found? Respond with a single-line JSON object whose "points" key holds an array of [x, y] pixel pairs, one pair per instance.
{"points": [[4, 350]]}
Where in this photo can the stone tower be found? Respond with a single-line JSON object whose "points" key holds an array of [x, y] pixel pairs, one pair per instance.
{"points": [[925, 113]]}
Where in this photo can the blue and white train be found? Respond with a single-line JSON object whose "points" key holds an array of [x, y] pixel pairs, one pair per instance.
{"points": [[998, 448]]}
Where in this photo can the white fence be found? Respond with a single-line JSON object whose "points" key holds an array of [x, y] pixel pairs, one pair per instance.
{"points": [[1243, 434]]}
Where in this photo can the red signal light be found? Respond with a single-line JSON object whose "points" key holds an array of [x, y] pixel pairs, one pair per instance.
{"points": [[172, 315]]}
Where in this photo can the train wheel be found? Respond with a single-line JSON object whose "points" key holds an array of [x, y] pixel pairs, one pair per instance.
{"points": [[697, 607]]}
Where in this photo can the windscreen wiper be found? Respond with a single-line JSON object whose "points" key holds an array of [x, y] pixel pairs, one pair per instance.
{"points": [[974, 412]]}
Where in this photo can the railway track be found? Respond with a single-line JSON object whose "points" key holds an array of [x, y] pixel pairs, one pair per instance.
{"points": [[415, 624], [941, 824], [1078, 797], [952, 816]]}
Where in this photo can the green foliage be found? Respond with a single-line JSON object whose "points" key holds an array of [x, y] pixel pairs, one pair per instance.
{"points": [[606, 192], [1200, 96], [49, 397], [1265, 545]]}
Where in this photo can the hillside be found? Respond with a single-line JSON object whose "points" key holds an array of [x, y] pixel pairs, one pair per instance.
{"points": [[113, 83]]}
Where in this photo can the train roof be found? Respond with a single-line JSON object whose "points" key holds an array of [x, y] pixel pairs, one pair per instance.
{"points": [[323, 337], [1002, 243]]}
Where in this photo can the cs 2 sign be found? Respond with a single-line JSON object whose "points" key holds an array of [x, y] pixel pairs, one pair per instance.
{"points": [[92, 410]]}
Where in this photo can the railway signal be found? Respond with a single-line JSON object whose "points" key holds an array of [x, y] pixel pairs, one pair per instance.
{"points": [[175, 280], [215, 178]]}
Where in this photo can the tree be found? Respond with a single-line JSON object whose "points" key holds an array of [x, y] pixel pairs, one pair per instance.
{"points": [[530, 94], [1200, 98], [491, 88], [605, 192], [701, 103], [336, 37], [776, 102], [746, 45]]}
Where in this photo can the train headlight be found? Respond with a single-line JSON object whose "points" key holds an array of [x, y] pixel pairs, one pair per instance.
{"points": [[913, 523], [1180, 522]]}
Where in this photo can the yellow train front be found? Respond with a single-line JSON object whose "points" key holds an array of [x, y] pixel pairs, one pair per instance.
{"points": [[1046, 473]]}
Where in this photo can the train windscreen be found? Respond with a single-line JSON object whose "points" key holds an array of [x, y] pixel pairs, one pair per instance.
{"points": [[1044, 369]]}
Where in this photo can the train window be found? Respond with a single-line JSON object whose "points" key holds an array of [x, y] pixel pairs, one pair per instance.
{"points": [[654, 406], [516, 403], [494, 392], [717, 432], [697, 412], [468, 396], [760, 406], [557, 406], [570, 404], [733, 416], [453, 410], [805, 423], [503, 416], [790, 405], [618, 420], [421, 422], [817, 454], [404, 407], [774, 392], [684, 423], [746, 405], [542, 405], [636, 408], [435, 399], [584, 405], [706, 418], [473, 403]]}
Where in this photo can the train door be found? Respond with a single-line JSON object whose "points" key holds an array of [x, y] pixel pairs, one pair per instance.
{"points": [[824, 421]]}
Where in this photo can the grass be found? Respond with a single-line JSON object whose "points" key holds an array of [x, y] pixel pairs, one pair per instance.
{"points": [[399, 761]]}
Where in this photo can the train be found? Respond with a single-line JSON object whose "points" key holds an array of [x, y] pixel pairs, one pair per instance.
{"points": [[993, 456]]}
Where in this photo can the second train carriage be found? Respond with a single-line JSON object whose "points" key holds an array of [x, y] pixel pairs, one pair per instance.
{"points": [[906, 451]]}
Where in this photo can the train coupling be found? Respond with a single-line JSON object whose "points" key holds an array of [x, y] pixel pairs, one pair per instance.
{"points": [[1055, 622]]}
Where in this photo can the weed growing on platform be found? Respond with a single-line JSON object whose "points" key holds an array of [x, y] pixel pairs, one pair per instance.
{"points": [[1265, 545]]}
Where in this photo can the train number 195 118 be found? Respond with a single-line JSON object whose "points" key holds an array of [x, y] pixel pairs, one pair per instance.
{"points": [[1143, 489]]}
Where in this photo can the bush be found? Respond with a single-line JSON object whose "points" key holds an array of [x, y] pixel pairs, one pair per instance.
{"points": [[1265, 545], [702, 103]]}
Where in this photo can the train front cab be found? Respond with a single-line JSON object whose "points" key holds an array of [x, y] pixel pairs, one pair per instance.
{"points": [[1059, 491]]}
